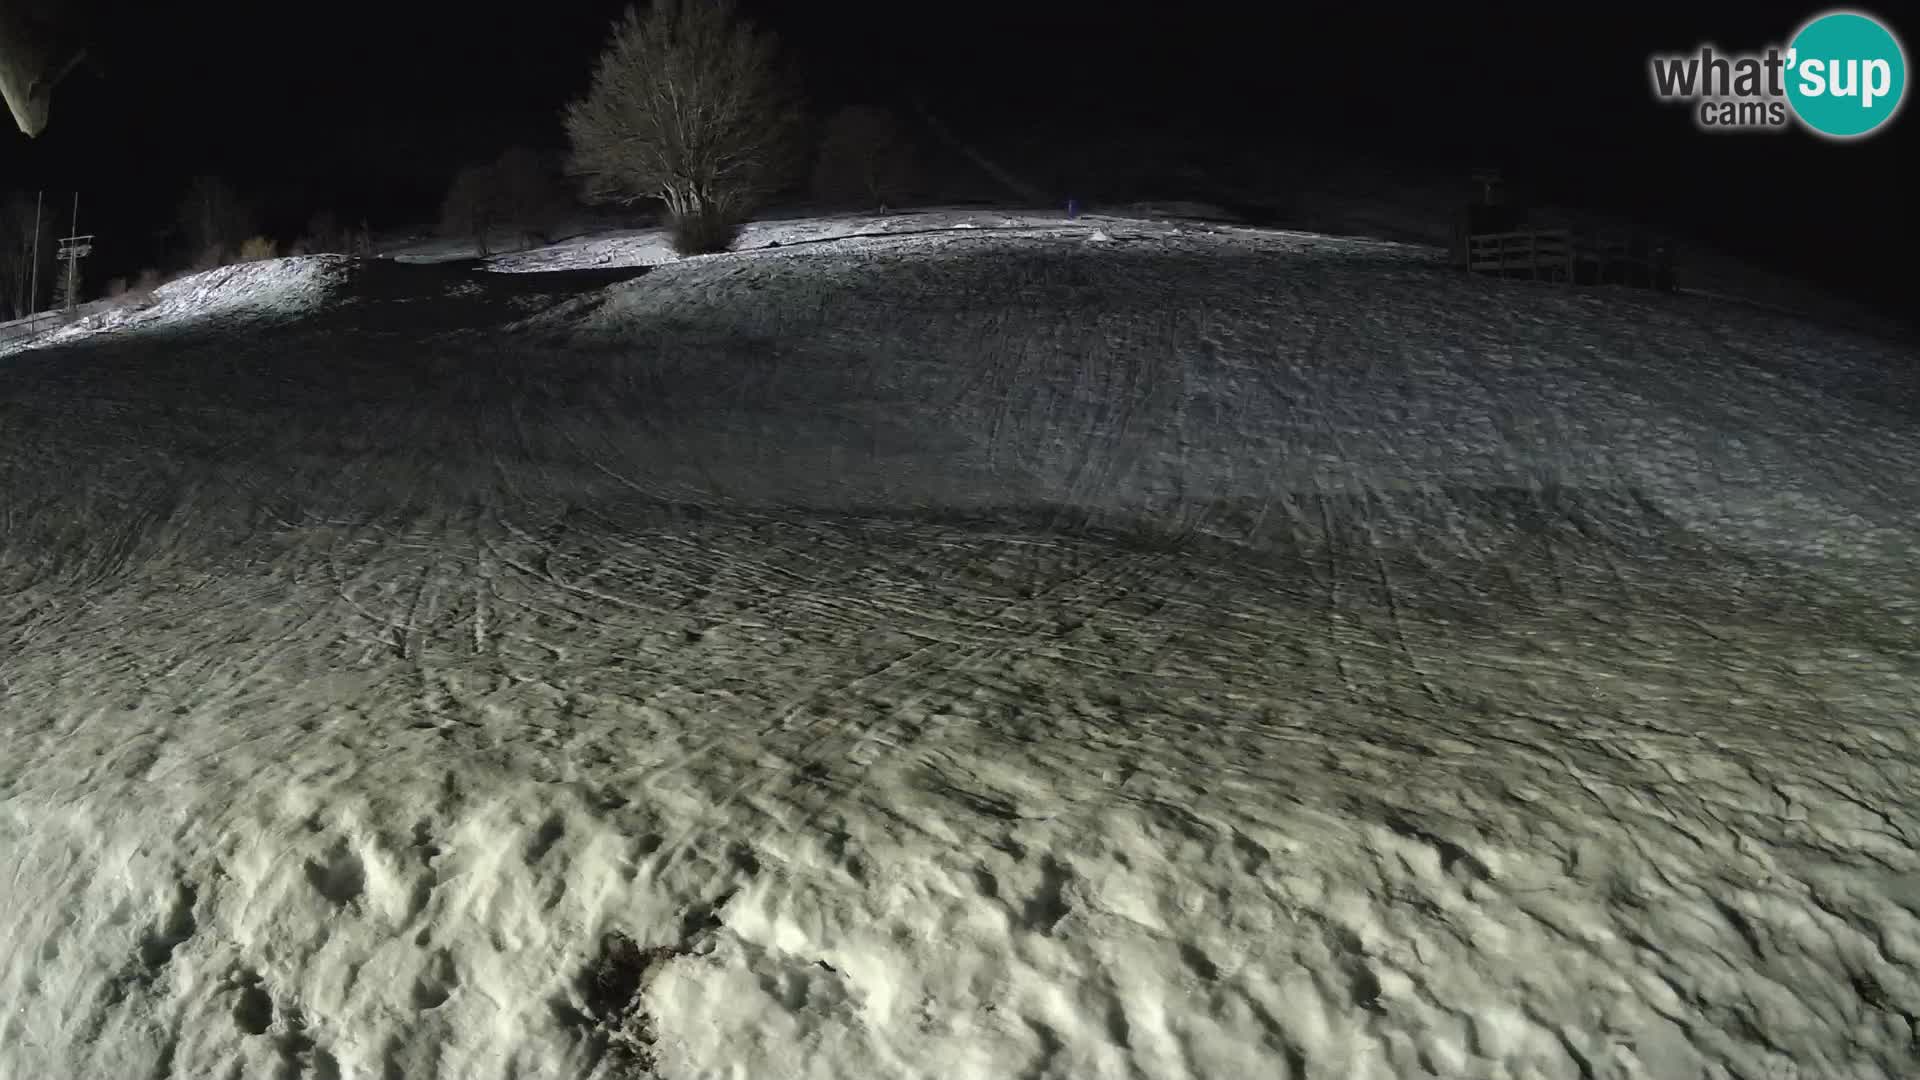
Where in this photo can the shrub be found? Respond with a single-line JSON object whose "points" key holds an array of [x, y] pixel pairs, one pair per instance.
{"points": [[688, 105], [258, 249], [125, 293], [703, 233]]}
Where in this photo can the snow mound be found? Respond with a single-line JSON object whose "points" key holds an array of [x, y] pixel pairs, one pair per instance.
{"points": [[270, 290], [282, 288], [651, 247]]}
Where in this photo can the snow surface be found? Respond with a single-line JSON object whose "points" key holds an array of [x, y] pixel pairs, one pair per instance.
{"points": [[269, 290], [981, 651]]}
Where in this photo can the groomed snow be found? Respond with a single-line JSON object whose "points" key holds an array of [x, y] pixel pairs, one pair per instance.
{"points": [[1036, 649]]}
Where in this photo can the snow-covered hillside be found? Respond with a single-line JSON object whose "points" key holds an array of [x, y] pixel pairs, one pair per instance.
{"points": [[1003, 648]]}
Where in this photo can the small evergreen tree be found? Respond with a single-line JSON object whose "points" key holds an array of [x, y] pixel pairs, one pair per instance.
{"points": [[69, 289]]}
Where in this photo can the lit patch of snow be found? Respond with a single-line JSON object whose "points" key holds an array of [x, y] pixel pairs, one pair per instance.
{"points": [[280, 288], [270, 289]]}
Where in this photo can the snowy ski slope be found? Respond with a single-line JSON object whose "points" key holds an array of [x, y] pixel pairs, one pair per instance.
{"points": [[1003, 648]]}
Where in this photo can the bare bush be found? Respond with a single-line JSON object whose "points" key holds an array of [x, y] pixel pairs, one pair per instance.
{"points": [[688, 105], [134, 292], [697, 234], [210, 258], [865, 158], [258, 249]]}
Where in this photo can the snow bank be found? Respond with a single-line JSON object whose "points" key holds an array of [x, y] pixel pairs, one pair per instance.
{"points": [[846, 232], [281, 287], [277, 289], [274, 289]]}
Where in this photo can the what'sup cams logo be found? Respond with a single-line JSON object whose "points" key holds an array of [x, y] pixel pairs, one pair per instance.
{"points": [[1842, 76]]}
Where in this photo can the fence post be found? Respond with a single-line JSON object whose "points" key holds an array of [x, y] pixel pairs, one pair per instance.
{"points": [[73, 261], [33, 300]]}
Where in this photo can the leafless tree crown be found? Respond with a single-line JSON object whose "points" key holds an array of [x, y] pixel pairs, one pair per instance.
{"points": [[688, 105]]}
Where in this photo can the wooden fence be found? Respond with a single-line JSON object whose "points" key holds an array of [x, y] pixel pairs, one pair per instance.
{"points": [[1573, 256], [31, 325]]}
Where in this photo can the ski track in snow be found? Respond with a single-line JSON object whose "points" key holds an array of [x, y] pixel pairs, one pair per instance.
{"points": [[992, 652]]}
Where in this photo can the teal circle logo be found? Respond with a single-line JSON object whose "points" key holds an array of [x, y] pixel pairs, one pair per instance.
{"points": [[1846, 74]]}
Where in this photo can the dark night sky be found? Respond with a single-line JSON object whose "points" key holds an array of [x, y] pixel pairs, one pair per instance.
{"points": [[370, 106]]}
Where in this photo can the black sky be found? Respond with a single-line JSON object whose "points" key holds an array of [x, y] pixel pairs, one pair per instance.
{"points": [[369, 107]]}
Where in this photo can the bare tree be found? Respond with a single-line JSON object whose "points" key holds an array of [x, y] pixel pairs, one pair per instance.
{"points": [[865, 157], [516, 191], [17, 252], [532, 198], [472, 206], [214, 221], [690, 106]]}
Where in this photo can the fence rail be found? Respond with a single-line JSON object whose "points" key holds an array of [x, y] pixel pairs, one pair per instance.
{"points": [[1572, 256], [31, 325], [1540, 249]]}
